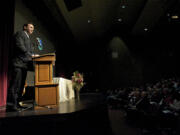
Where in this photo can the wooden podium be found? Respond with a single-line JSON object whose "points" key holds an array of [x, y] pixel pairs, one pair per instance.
{"points": [[46, 92]]}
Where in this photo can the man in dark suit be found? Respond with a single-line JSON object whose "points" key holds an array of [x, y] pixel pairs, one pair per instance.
{"points": [[20, 63]]}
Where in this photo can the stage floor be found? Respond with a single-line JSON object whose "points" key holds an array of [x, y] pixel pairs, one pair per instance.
{"points": [[89, 115]]}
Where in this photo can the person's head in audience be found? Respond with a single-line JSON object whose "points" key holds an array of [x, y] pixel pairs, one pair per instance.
{"points": [[149, 90], [165, 91], [137, 94], [143, 94]]}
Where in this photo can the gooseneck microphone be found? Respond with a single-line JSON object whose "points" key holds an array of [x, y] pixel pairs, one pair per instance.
{"points": [[39, 43]]}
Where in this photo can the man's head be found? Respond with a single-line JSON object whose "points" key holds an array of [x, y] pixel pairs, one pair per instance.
{"points": [[29, 28]]}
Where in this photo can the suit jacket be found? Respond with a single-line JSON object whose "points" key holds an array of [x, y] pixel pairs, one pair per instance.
{"points": [[22, 50]]}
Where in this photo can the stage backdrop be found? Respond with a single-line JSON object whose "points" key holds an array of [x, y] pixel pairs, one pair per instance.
{"points": [[6, 32], [3, 75]]}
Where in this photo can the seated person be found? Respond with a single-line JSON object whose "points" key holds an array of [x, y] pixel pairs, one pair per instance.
{"points": [[143, 103], [175, 105]]}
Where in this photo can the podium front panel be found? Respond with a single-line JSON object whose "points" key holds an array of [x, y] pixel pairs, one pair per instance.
{"points": [[43, 73], [46, 95]]}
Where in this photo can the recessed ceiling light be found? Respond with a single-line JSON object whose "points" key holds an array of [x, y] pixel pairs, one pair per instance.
{"points": [[119, 19], [168, 14], [145, 29], [174, 16], [123, 6], [89, 21]]}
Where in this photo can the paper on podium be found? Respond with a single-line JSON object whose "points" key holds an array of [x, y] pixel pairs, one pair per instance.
{"points": [[35, 55]]}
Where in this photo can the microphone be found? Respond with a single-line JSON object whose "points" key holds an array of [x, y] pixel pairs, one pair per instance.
{"points": [[39, 41], [40, 44]]}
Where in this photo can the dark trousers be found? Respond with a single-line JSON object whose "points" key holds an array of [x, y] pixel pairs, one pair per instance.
{"points": [[16, 86]]}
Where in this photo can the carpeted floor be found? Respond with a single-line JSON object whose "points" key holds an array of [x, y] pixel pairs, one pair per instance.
{"points": [[119, 124]]}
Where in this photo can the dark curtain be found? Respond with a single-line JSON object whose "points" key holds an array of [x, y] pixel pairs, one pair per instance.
{"points": [[7, 10]]}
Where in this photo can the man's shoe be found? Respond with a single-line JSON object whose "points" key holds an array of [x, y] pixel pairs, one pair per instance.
{"points": [[22, 107], [12, 109], [16, 108]]}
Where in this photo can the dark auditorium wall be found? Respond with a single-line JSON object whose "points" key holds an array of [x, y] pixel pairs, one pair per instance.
{"points": [[136, 60], [161, 55], [118, 67]]}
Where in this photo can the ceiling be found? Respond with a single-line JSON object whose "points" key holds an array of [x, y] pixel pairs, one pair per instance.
{"points": [[83, 20]]}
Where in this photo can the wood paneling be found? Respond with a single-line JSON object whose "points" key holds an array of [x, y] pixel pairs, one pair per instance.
{"points": [[44, 73], [46, 95]]}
